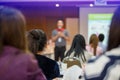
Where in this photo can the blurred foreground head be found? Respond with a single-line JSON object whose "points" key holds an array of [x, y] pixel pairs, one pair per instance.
{"points": [[114, 33], [12, 26]]}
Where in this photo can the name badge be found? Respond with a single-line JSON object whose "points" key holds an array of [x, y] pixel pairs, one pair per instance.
{"points": [[59, 39]]}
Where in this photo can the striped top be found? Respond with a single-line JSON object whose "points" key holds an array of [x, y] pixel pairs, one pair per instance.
{"points": [[106, 67]]}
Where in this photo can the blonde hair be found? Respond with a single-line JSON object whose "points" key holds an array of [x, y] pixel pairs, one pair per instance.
{"points": [[94, 42]]}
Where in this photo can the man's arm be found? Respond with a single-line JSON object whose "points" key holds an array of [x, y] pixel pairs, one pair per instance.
{"points": [[54, 38], [60, 34], [65, 37]]}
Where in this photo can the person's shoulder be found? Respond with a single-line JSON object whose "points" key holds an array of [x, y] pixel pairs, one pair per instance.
{"points": [[105, 57], [51, 61], [55, 30], [98, 59], [27, 55], [88, 54], [48, 60], [29, 58], [99, 50], [99, 47], [88, 47], [95, 66], [113, 52], [99, 65]]}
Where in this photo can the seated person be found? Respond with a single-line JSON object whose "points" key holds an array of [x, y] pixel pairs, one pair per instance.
{"points": [[101, 39], [15, 62], [78, 49], [107, 66], [37, 42], [93, 46]]}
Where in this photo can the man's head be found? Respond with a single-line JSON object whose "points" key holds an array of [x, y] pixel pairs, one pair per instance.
{"points": [[101, 37], [60, 24]]}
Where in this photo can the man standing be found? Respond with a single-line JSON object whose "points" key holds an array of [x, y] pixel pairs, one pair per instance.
{"points": [[60, 36]]}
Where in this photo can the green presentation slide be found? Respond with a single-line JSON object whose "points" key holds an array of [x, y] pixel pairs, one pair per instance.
{"points": [[99, 23]]}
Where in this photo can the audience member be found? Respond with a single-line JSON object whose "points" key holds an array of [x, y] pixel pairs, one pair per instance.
{"points": [[15, 63], [93, 46], [78, 49], [37, 43], [101, 39], [107, 66]]}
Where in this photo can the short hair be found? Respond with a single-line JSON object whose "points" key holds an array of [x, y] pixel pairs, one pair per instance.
{"points": [[12, 25], [114, 33], [37, 40], [101, 37]]}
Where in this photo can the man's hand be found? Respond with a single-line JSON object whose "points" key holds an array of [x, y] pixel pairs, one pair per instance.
{"points": [[61, 34]]}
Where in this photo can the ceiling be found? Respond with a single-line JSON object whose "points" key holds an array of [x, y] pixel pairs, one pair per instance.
{"points": [[68, 3], [51, 0]]}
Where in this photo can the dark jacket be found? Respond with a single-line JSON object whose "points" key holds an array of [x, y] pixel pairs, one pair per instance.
{"points": [[16, 65], [50, 67]]}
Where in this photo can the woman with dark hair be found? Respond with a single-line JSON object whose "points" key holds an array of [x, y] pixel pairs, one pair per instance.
{"points": [[37, 42], [107, 66], [78, 49], [15, 63], [93, 45]]}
